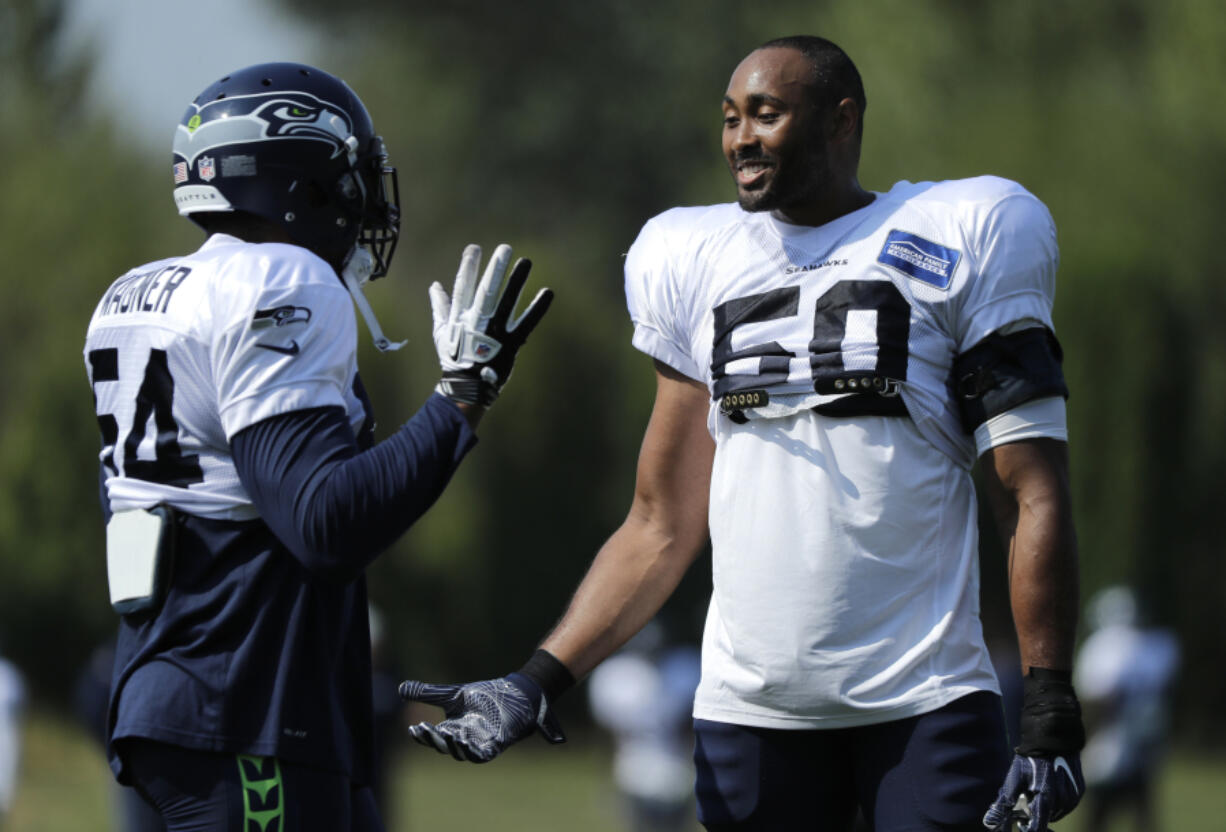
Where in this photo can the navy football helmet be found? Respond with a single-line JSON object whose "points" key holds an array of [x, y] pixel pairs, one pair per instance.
{"points": [[296, 146]]}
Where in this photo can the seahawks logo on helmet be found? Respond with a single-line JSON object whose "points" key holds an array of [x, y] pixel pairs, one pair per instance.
{"points": [[300, 118], [262, 117]]}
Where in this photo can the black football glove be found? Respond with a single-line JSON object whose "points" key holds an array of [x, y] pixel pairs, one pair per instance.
{"points": [[473, 331], [483, 718], [1044, 782]]}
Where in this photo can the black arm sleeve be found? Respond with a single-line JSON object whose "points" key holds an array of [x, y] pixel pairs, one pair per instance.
{"points": [[336, 507]]}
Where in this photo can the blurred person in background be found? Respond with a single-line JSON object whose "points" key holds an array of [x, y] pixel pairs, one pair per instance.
{"points": [[1007, 664], [830, 364], [642, 695], [12, 708], [388, 711], [242, 487], [91, 695], [1126, 670]]}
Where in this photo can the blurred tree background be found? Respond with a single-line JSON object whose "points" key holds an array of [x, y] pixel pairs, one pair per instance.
{"points": [[560, 127]]}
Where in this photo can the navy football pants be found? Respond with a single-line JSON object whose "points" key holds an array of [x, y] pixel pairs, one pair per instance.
{"points": [[936, 771], [196, 791]]}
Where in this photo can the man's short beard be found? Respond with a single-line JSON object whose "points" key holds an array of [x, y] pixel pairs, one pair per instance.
{"points": [[780, 195], [765, 200]]}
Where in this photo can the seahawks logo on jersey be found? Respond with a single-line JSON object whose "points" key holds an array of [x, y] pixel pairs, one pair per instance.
{"points": [[280, 316]]}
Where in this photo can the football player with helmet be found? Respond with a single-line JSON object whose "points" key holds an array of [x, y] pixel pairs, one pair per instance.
{"points": [[243, 491], [831, 362]]}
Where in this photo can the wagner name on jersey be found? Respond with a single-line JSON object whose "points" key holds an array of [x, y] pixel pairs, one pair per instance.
{"points": [[843, 513]]}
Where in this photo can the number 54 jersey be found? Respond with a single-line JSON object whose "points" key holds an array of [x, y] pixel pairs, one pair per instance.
{"points": [[184, 353], [842, 510]]}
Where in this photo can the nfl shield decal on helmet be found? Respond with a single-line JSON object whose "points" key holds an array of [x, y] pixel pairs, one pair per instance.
{"points": [[206, 168]]}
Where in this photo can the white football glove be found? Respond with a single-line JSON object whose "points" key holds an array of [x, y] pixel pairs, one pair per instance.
{"points": [[473, 332]]}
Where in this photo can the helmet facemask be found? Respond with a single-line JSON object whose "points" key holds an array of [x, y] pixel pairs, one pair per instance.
{"points": [[380, 229]]}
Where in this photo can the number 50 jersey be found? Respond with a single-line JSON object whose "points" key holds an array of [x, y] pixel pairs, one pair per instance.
{"points": [[842, 513]]}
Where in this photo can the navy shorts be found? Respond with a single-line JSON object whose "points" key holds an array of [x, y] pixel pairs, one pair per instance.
{"points": [[935, 771], [195, 791]]}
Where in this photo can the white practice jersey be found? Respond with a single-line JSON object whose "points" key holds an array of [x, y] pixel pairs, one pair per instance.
{"points": [[184, 353], [846, 586]]}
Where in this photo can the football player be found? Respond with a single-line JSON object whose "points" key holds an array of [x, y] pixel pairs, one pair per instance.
{"points": [[243, 491], [830, 363]]}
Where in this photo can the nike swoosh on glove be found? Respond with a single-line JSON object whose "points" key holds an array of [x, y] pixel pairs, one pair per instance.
{"points": [[1053, 787], [482, 718]]}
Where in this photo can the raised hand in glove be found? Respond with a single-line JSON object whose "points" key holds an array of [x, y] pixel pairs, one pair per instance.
{"points": [[483, 718], [473, 331], [1044, 782]]}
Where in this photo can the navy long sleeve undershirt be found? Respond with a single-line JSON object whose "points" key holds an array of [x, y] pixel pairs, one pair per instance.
{"points": [[334, 506]]}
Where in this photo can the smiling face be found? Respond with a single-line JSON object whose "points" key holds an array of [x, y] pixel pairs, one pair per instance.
{"points": [[773, 137]]}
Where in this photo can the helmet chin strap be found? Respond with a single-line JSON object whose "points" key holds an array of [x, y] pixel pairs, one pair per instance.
{"points": [[357, 270]]}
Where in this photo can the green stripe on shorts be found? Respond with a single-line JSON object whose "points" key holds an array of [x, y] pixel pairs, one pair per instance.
{"points": [[263, 794]]}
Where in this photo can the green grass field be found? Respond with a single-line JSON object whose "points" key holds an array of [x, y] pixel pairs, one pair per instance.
{"points": [[65, 787]]}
